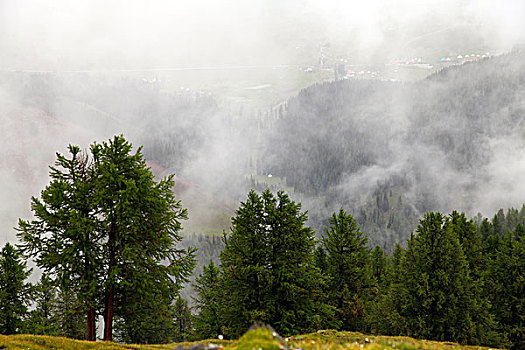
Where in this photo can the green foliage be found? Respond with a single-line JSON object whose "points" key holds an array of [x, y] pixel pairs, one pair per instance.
{"points": [[104, 224], [43, 319], [378, 267], [436, 294], [14, 291], [320, 259], [140, 219], [71, 316], [145, 318], [506, 286], [347, 258], [267, 268], [64, 238], [182, 319], [208, 321]]}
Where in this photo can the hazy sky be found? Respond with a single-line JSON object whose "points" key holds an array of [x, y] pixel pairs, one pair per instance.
{"points": [[109, 34]]}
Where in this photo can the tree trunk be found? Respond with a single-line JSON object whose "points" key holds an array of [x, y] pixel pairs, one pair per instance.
{"points": [[110, 295], [108, 315], [91, 325]]}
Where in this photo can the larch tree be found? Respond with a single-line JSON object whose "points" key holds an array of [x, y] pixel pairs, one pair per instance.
{"points": [[141, 226], [64, 237], [105, 226], [14, 291]]}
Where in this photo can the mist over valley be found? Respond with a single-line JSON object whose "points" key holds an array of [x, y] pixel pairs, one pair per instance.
{"points": [[388, 111]]}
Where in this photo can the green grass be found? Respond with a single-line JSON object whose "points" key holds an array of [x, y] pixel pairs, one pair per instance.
{"points": [[334, 340], [257, 339]]}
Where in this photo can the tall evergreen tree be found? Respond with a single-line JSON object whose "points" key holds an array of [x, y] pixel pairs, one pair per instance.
{"points": [[14, 291], [208, 321], [382, 315], [347, 261], [506, 288], [141, 223], [466, 232], [105, 224], [267, 267], [64, 239], [435, 294]]}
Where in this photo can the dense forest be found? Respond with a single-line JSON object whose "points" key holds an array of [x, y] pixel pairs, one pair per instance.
{"points": [[458, 279], [390, 151]]}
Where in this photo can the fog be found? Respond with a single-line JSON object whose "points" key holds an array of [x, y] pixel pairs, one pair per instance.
{"points": [[86, 35], [225, 50]]}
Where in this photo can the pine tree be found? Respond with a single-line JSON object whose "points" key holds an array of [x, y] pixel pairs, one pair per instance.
{"points": [[182, 320], [267, 268], [346, 267], [70, 315], [141, 223], [144, 318], [104, 223], [14, 291], [63, 237], [208, 321], [43, 319], [435, 293], [506, 287]]}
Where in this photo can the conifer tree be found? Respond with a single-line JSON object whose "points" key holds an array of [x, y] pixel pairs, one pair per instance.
{"points": [[14, 291], [347, 258], [465, 230], [70, 315], [506, 288], [394, 267], [378, 267], [64, 239], [182, 320], [141, 224], [43, 319], [208, 321], [104, 224], [435, 295], [267, 268], [383, 315], [144, 318]]}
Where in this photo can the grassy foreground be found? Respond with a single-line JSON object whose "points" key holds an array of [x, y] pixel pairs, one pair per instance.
{"points": [[257, 339]]}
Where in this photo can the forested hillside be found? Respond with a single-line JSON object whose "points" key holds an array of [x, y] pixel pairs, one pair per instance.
{"points": [[392, 150], [387, 151]]}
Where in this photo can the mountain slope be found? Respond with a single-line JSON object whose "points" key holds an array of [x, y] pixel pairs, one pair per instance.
{"points": [[392, 150]]}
